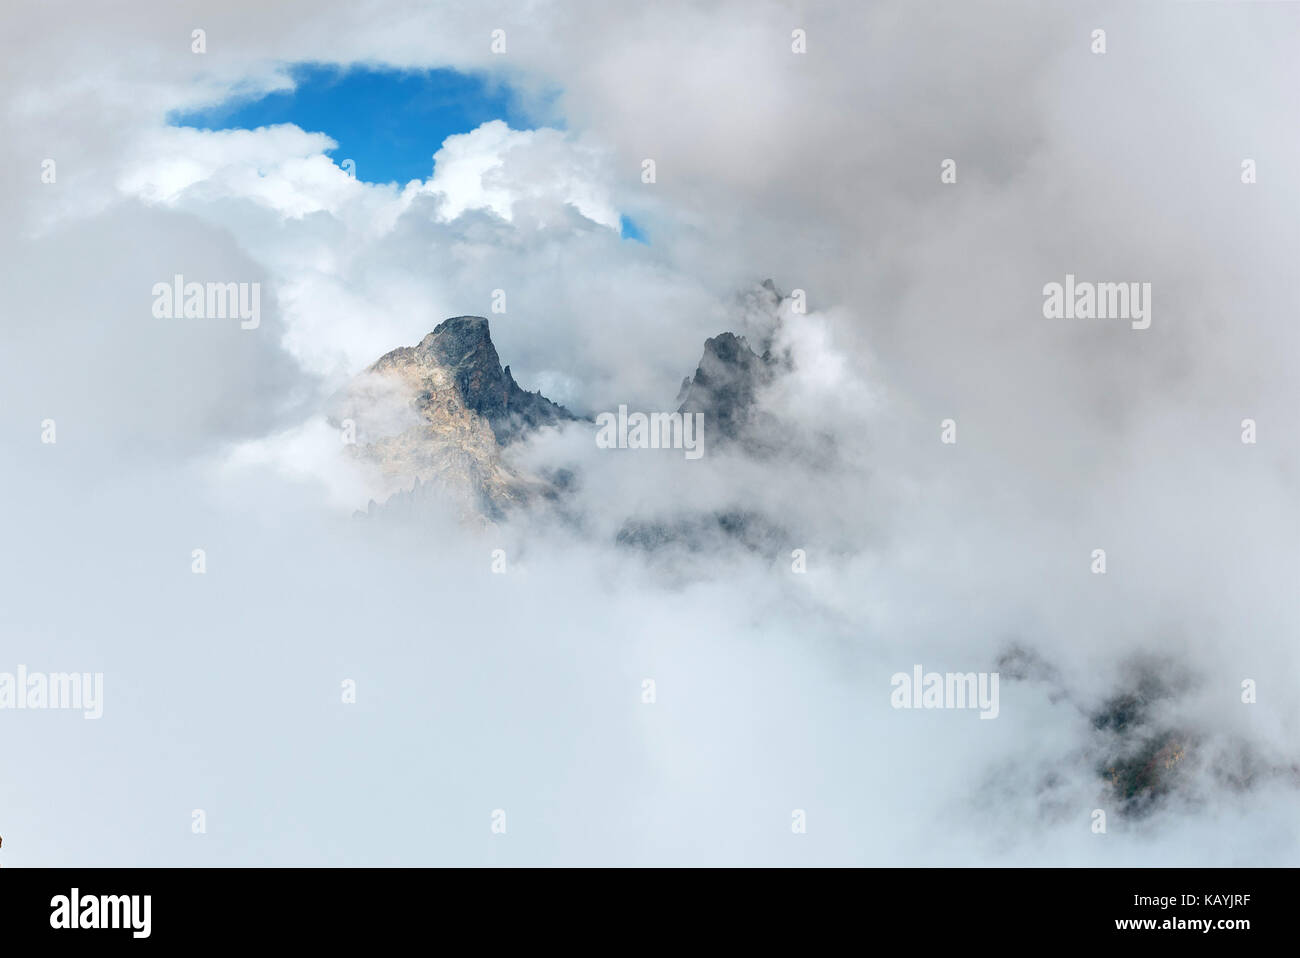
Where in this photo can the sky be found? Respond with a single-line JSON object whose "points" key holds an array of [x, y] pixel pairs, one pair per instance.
{"points": [[523, 171], [388, 122]]}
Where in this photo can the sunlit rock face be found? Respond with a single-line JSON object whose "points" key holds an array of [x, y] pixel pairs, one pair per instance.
{"points": [[462, 347], [434, 420]]}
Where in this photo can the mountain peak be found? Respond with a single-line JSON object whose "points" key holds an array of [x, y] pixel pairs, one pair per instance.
{"points": [[726, 384], [463, 322], [464, 329], [462, 346], [433, 417]]}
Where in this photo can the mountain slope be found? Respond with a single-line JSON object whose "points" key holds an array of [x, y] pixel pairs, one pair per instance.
{"points": [[462, 347], [434, 418]]}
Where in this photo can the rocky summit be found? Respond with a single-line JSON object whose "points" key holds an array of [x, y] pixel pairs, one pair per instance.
{"points": [[725, 385], [440, 413], [462, 347], [436, 420]]}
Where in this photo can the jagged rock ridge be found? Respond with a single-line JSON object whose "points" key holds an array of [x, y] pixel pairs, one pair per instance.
{"points": [[725, 385], [434, 419], [727, 389], [463, 347]]}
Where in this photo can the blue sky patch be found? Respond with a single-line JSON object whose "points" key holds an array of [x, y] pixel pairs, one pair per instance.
{"points": [[629, 230], [389, 122]]}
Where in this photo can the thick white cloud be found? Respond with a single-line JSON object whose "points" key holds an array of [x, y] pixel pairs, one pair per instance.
{"points": [[495, 168]]}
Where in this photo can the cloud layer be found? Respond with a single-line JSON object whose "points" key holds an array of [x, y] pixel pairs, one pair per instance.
{"points": [[522, 691]]}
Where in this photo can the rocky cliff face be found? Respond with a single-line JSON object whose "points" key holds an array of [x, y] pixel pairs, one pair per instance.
{"points": [[1147, 749], [461, 348], [725, 386], [434, 418]]}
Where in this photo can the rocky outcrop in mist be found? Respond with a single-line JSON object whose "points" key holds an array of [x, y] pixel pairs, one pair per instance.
{"points": [[434, 419], [462, 348]]}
